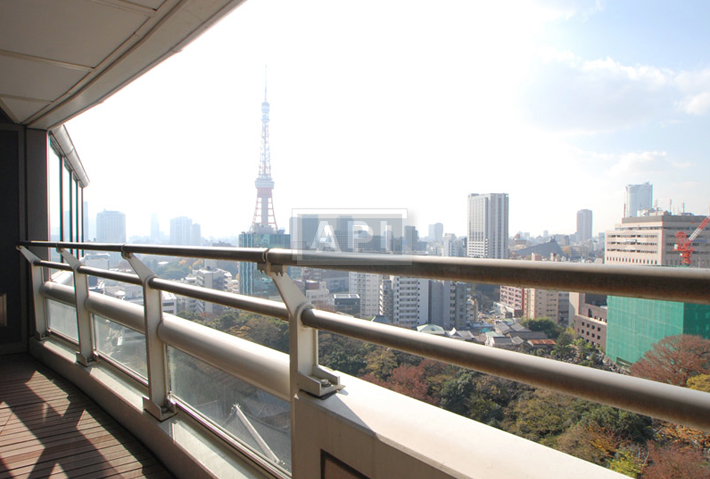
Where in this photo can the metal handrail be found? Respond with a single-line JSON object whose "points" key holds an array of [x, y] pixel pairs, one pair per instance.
{"points": [[664, 401], [670, 284]]}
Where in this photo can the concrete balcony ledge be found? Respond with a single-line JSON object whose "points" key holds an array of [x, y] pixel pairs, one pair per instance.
{"points": [[382, 434]]}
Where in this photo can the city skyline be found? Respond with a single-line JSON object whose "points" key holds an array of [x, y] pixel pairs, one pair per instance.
{"points": [[561, 107]]}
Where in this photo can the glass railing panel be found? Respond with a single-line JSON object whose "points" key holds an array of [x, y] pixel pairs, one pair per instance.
{"points": [[121, 344], [252, 416], [62, 319]]}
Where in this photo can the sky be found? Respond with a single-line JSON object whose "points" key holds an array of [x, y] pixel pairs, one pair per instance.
{"points": [[414, 104]]}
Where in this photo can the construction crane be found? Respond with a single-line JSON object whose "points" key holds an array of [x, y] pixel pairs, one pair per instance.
{"points": [[684, 244]]}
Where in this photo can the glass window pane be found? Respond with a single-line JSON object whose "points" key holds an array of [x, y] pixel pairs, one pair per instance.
{"points": [[121, 344], [62, 319], [254, 417]]}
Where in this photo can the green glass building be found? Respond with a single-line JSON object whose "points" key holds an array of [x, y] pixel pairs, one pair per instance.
{"points": [[635, 325]]}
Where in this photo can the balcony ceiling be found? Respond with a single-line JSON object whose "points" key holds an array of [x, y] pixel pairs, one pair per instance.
{"points": [[61, 57]]}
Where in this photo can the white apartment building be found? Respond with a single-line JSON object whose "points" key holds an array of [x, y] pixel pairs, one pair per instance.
{"points": [[317, 293], [368, 287], [650, 240], [410, 301], [213, 278], [488, 225], [541, 303]]}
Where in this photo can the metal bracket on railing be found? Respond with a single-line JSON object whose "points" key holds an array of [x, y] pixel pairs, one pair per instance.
{"points": [[86, 355], [40, 304], [306, 374], [158, 403]]}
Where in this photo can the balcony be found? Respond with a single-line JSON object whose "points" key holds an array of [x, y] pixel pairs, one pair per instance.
{"points": [[279, 415], [208, 404]]}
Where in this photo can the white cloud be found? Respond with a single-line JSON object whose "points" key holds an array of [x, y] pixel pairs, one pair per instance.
{"points": [[682, 164], [566, 9], [637, 164], [697, 104], [569, 94]]}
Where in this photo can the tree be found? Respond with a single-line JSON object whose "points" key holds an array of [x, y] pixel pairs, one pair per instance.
{"points": [[674, 360], [674, 461], [543, 415], [263, 330], [588, 442], [227, 320], [456, 393], [627, 463], [563, 349], [409, 380], [546, 325], [701, 382], [381, 362], [189, 315]]}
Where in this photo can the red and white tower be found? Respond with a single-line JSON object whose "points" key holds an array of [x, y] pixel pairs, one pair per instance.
{"points": [[264, 220]]}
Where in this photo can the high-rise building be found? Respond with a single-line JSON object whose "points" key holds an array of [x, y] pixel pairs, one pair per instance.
{"points": [[584, 225], [541, 303], [195, 234], [111, 228], [436, 232], [410, 300], [634, 325], [638, 198], [411, 240], [154, 228], [181, 231], [213, 278], [450, 304], [650, 240], [453, 246], [85, 230], [248, 275], [488, 225], [513, 298], [386, 298], [367, 286]]}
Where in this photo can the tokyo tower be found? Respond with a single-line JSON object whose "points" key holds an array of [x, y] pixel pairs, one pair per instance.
{"points": [[264, 220]]}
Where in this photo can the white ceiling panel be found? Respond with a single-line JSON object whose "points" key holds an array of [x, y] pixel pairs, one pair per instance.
{"points": [[29, 79], [61, 57], [154, 4], [75, 31], [23, 109]]}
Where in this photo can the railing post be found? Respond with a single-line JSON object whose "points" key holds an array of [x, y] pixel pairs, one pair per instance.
{"points": [[40, 304], [85, 355], [306, 373], [158, 402]]}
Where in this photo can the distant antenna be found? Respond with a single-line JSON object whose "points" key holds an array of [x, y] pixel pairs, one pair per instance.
{"points": [[265, 77]]}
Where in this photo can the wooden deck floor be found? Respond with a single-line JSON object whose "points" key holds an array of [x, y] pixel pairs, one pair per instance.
{"points": [[48, 428]]}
